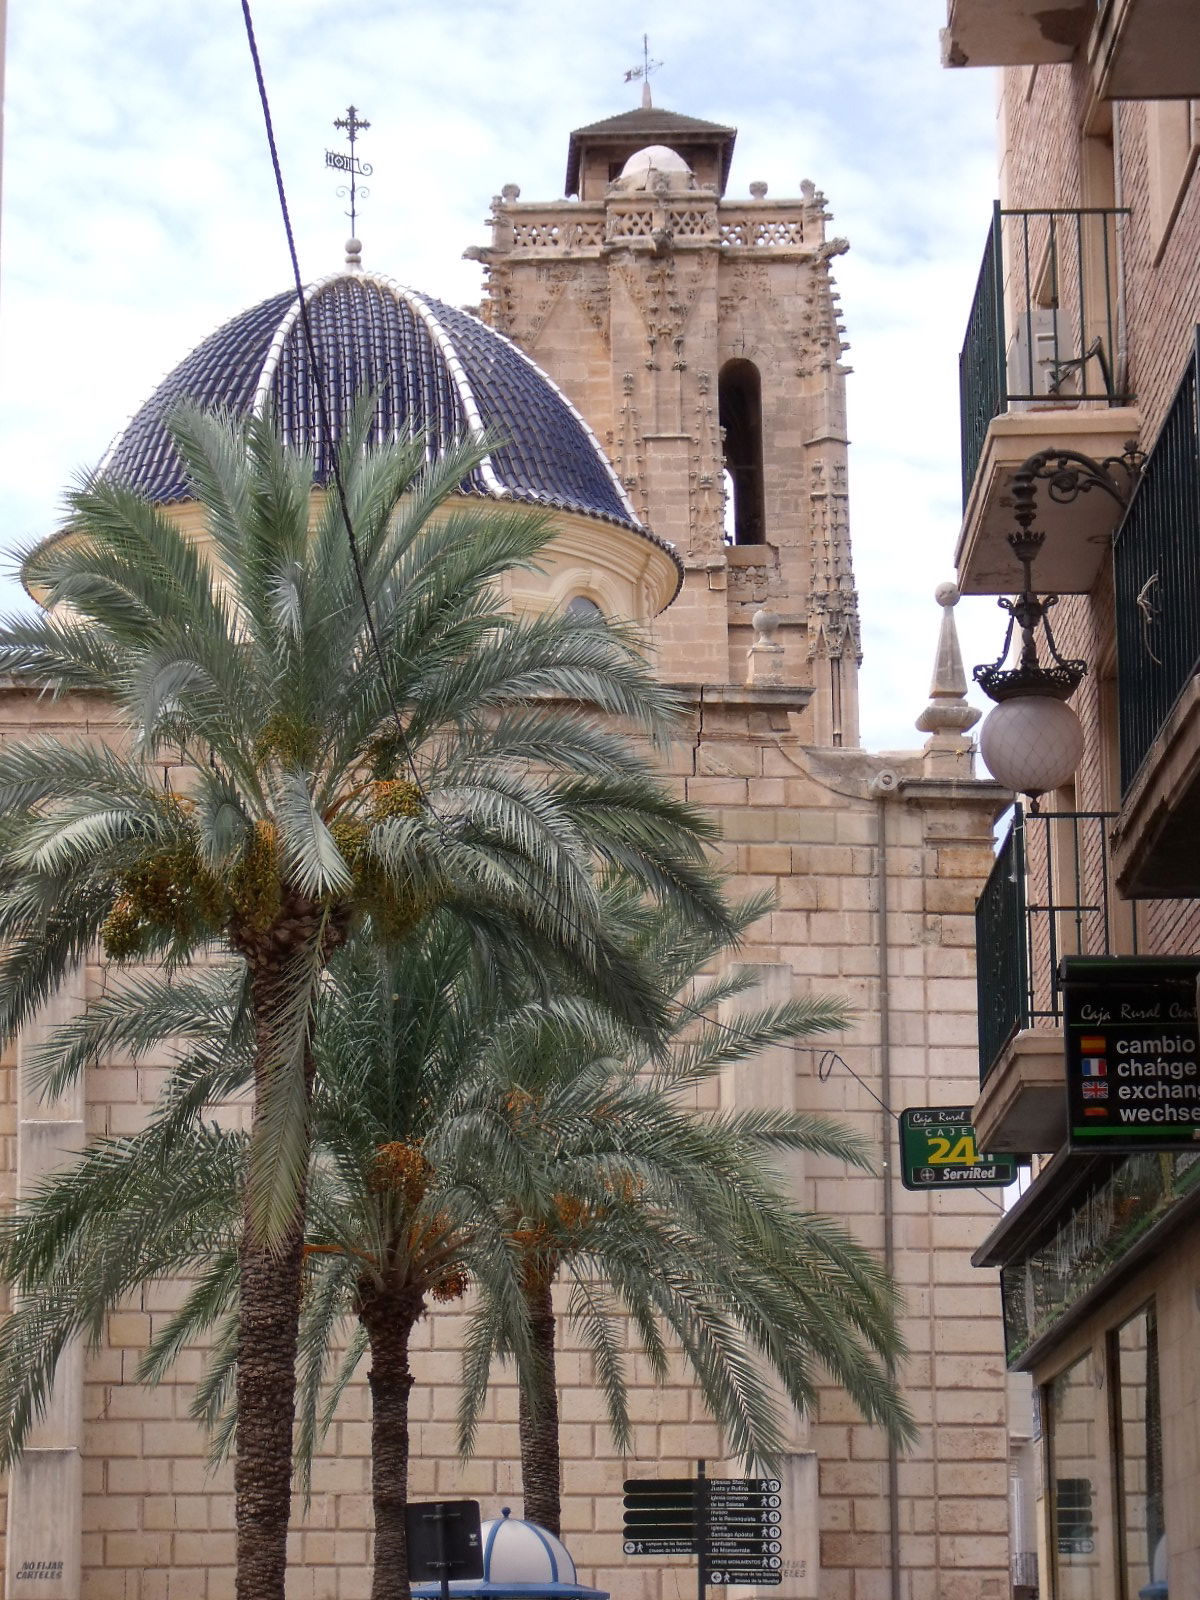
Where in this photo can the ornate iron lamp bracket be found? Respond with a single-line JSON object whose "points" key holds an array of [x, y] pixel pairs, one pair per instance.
{"points": [[1067, 474]]}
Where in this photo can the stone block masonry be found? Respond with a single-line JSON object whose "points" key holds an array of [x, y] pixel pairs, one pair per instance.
{"points": [[153, 1520]]}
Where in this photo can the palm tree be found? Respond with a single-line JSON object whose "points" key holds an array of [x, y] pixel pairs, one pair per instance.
{"points": [[441, 1131], [329, 774], [679, 1220]]}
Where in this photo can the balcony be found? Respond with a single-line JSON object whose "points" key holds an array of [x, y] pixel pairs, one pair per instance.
{"points": [[1048, 896], [1013, 33], [1146, 50], [1156, 562], [1136, 49], [1038, 368]]}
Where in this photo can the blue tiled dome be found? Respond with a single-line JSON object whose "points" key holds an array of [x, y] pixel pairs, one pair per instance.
{"points": [[432, 368]]}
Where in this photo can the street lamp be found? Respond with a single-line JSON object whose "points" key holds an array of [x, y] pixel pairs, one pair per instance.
{"points": [[1032, 741]]}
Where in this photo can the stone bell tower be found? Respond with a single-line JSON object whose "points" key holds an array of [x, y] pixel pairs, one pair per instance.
{"points": [[700, 338]]}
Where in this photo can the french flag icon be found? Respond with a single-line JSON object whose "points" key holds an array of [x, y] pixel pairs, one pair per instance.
{"points": [[1095, 1067]]}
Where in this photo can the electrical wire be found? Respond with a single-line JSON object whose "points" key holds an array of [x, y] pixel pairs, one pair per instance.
{"points": [[322, 402], [833, 1058]]}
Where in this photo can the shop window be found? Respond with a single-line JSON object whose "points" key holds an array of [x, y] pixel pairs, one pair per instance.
{"points": [[739, 401], [1138, 1436]]}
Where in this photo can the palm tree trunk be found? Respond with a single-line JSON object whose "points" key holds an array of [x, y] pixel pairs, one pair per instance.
{"points": [[541, 1469], [389, 1319], [269, 1316], [266, 1397]]}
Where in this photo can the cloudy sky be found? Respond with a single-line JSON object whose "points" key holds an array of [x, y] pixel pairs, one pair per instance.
{"points": [[140, 212]]}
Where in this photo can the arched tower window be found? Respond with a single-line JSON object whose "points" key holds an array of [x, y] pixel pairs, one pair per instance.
{"points": [[739, 403]]}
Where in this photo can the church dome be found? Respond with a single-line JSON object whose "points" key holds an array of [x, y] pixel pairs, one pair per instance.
{"points": [[431, 367], [659, 156], [656, 164]]}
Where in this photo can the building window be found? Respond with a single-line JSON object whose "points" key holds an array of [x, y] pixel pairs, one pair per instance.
{"points": [[1137, 1433], [1172, 146], [739, 401], [581, 605]]}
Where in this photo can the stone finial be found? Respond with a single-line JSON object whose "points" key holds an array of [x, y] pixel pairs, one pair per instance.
{"points": [[353, 255], [948, 716], [510, 193], [758, 189], [764, 659]]}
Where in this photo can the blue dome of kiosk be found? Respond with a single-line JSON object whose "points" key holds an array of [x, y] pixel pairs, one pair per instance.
{"points": [[431, 367], [521, 1561]]}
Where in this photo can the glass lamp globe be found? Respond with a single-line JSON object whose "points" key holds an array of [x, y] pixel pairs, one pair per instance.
{"points": [[1031, 743]]}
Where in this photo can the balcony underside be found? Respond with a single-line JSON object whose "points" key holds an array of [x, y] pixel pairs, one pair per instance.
{"points": [[1138, 49], [1022, 1106], [1156, 839], [1014, 33], [1078, 536], [1147, 50]]}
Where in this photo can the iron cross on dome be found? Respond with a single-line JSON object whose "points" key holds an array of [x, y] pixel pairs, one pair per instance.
{"points": [[353, 125]]}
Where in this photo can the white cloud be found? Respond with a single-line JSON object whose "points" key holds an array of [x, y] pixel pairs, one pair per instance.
{"points": [[140, 210]]}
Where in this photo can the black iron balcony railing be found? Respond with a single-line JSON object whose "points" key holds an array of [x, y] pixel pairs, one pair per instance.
{"points": [[1048, 896], [1156, 565], [1044, 324]]}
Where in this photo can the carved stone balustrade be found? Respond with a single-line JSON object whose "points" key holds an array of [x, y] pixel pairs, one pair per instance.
{"points": [[649, 221]]}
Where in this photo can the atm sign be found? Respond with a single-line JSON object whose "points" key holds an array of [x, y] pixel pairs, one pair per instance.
{"points": [[937, 1151]]}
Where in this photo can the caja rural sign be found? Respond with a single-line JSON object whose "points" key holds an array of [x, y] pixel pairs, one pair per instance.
{"points": [[1133, 1052], [937, 1151]]}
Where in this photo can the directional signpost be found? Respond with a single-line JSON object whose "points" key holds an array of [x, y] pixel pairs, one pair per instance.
{"points": [[660, 1517], [744, 1528], [734, 1525]]}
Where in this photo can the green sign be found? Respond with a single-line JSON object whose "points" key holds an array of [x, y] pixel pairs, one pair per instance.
{"points": [[1133, 1052], [937, 1151]]}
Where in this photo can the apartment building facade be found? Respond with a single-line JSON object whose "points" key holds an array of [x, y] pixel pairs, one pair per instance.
{"points": [[1081, 453]]}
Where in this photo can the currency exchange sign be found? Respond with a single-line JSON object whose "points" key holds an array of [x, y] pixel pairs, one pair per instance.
{"points": [[1133, 1052], [937, 1151]]}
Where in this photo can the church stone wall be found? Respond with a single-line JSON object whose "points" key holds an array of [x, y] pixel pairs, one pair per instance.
{"points": [[156, 1524]]}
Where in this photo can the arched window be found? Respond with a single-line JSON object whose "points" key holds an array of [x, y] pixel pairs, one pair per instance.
{"points": [[581, 605], [739, 405]]}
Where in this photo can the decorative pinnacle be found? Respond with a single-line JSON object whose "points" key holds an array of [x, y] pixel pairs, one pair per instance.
{"points": [[948, 712]]}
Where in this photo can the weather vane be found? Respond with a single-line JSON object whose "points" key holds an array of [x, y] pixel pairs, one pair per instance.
{"points": [[643, 72], [340, 162]]}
